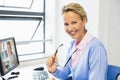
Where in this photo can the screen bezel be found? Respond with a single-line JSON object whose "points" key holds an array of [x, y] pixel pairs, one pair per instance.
{"points": [[16, 54]]}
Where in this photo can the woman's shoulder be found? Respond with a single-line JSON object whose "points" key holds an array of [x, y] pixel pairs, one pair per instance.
{"points": [[95, 42]]}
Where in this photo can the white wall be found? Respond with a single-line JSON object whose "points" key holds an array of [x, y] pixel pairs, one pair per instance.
{"points": [[109, 29], [50, 22]]}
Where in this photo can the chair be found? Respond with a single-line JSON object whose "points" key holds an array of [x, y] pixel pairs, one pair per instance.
{"points": [[113, 72]]}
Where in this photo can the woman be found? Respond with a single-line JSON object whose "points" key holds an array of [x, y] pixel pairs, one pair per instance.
{"points": [[88, 55]]}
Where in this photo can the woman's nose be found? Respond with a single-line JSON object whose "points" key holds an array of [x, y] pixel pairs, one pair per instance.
{"points": [[70, 28]]}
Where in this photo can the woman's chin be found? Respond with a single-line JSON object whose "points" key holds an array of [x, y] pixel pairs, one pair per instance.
{"points": [[73, 37]]}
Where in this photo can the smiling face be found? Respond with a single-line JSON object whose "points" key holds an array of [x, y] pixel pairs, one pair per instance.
{"points": [[74, 26]]}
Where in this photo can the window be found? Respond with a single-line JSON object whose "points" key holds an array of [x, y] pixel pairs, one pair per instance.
{"points": [[27, 25], [20, 3]]}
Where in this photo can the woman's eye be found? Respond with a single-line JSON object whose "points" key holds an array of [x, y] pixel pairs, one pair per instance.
{"points": [[66, 24], [74, 22]]}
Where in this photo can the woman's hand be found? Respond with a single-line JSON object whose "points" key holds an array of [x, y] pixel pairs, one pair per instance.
{"points": [[51, 63]]}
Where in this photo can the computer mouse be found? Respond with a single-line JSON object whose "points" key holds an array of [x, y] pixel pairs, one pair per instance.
{"points": [[15, 73]]}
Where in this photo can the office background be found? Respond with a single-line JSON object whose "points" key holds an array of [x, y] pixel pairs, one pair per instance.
{"points": [[103, 22]]}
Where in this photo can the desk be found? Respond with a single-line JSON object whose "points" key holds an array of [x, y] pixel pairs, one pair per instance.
{"points": [[26, 69], [26, 73]]}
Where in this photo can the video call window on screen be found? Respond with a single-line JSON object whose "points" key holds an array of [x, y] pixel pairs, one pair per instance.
{"points": [[8, 55]]}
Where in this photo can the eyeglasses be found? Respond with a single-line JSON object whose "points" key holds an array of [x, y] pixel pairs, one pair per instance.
{"points": [[57, 49], [70, 57]]}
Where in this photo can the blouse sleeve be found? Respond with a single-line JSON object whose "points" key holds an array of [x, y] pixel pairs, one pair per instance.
{"points": [[98, 63]]}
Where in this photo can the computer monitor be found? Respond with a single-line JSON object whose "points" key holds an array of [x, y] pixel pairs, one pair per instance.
{"points": [[8, 55]]}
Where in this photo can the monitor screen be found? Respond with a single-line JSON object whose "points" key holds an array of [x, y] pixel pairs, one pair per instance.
{"points": [[8, 55]]}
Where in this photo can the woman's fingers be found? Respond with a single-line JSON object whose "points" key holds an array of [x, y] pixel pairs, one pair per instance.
{"points": [[51, 63]]}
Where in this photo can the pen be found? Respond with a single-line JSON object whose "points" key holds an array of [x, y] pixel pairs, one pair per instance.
{"points": [[12, 77]]}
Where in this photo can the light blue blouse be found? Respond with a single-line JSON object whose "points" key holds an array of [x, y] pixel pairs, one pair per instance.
{"points": [[92, 65]]}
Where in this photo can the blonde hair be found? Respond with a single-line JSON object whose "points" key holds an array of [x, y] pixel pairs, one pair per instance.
{"points": [[76, 8]]}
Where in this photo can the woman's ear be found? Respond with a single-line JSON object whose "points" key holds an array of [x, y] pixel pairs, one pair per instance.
{"points": [[84, 21]]}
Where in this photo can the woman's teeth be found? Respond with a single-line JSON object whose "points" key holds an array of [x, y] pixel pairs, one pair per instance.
{"points": [[73, 32]]}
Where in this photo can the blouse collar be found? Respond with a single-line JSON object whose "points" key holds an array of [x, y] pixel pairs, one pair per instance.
{"points": [[86, 39]]}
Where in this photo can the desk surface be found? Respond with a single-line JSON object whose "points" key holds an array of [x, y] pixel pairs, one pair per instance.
{"points": [[26, 73]]}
